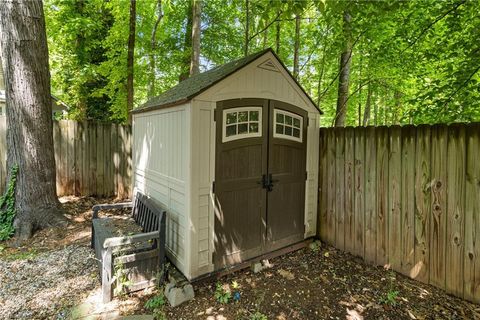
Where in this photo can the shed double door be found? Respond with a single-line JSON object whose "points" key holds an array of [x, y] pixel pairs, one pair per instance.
{"points": [[260, 174]]}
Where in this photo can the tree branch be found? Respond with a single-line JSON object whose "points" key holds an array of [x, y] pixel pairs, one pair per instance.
{"points": [[461, 87], [433, 23], [266, 27]]}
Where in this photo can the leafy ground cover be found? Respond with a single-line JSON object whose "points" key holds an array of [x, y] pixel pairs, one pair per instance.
{"points": [[57, 271]]}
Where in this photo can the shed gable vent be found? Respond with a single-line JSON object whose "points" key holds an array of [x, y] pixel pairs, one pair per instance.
{"points": [[268, 65]]}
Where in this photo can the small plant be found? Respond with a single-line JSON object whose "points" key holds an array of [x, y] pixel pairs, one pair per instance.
{"points": [[258, 316], [7, 207], [120, 276], [222, 294], [22, 255], [155, 305], [390, 298]]}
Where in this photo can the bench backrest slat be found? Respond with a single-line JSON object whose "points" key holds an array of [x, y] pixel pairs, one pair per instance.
{"points": [[146, 213]]}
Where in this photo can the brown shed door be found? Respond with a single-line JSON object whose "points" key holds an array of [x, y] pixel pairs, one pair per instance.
{"points": [[259, 178]]}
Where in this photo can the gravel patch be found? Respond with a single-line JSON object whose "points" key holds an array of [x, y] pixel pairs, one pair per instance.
{"points": [[46, 285]]}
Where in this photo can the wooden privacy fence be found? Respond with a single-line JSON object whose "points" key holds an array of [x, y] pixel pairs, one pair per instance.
{"points": [[408, 197], [91, 158]]}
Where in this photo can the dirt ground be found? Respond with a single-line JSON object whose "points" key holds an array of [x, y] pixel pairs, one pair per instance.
{"points": [[318, 282]]}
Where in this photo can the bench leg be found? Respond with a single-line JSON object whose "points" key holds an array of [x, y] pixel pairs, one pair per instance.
{"points": [[107, 270]]}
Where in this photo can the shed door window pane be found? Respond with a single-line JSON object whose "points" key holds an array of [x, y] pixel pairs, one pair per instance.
{"points": [[243, 122], [288, 125]]}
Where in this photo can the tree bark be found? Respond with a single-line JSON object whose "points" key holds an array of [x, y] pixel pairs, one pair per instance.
{"points": [[153, 45], [24, 55], [277, 38], [130, 53], [247, 27], [344, 77], [296, 47], [187, 45], [196, 32], [265, 38], [368, 104]]}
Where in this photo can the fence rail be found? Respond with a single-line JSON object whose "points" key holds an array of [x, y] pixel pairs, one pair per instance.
{"points": [[408, 197], [91, 158]]}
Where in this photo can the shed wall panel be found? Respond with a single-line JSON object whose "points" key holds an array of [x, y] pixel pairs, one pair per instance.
{"points": [[160, 153]]}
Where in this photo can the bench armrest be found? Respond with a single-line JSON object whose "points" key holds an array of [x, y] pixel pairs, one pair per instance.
{"points": [[120, 241], [108, 206]]}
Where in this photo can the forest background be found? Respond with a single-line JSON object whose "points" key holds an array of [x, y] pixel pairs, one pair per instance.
{"points": [[363, 62]]}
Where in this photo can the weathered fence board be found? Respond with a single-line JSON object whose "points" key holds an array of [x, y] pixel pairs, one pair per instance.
{"points": [[472, 215], [91, 158], [416, 200]]}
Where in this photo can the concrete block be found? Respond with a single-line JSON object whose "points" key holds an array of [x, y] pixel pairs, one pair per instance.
{"points": [[178, 295], [256, 267]]}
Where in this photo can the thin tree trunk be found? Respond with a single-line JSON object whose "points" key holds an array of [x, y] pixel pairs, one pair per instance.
{"points": [[187, 46], [277, 38], [196, 22], [360, 94], [29, 116], [247, 26], [368, 104], [153, 45], [398, 105], [296, 47], [265, 38], [130, 54], [344, 77], [375, 112]]}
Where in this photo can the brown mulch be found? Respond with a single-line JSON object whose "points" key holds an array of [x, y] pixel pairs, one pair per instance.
{"points": [[57, 270], [324, 283]]}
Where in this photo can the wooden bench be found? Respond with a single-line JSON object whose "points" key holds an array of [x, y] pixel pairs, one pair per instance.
{"points": [[134, 256]]}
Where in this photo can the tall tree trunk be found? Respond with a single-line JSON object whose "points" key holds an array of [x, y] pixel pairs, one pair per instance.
{"points": [[277, 38], [153, 48], [130, 53], [368, 105], [81, 57], [187, 45], [196, 32], [29, 115], [344, 78], [265, 38], [360, 85], [247, 26], [296, 47]]}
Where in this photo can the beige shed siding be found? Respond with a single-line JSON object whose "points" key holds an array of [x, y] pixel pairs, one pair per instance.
{"points": [[161, 170], [203, 172]]}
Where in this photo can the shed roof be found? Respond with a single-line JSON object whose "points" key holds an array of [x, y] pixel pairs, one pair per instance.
{"points": [[193, 86]]}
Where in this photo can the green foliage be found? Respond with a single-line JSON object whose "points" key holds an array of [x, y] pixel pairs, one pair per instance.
{"points": [[120, 277], [390, 298], [222, 294], [7, 207], [22, 255], [419, 59], [155, 305], [258, 316]]}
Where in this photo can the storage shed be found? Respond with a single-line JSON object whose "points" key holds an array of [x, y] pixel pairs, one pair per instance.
{"points": [[233, 154]]}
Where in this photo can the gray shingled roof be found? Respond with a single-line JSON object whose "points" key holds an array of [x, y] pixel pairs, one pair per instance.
{"points": [[193, 86], [196, 84]]}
